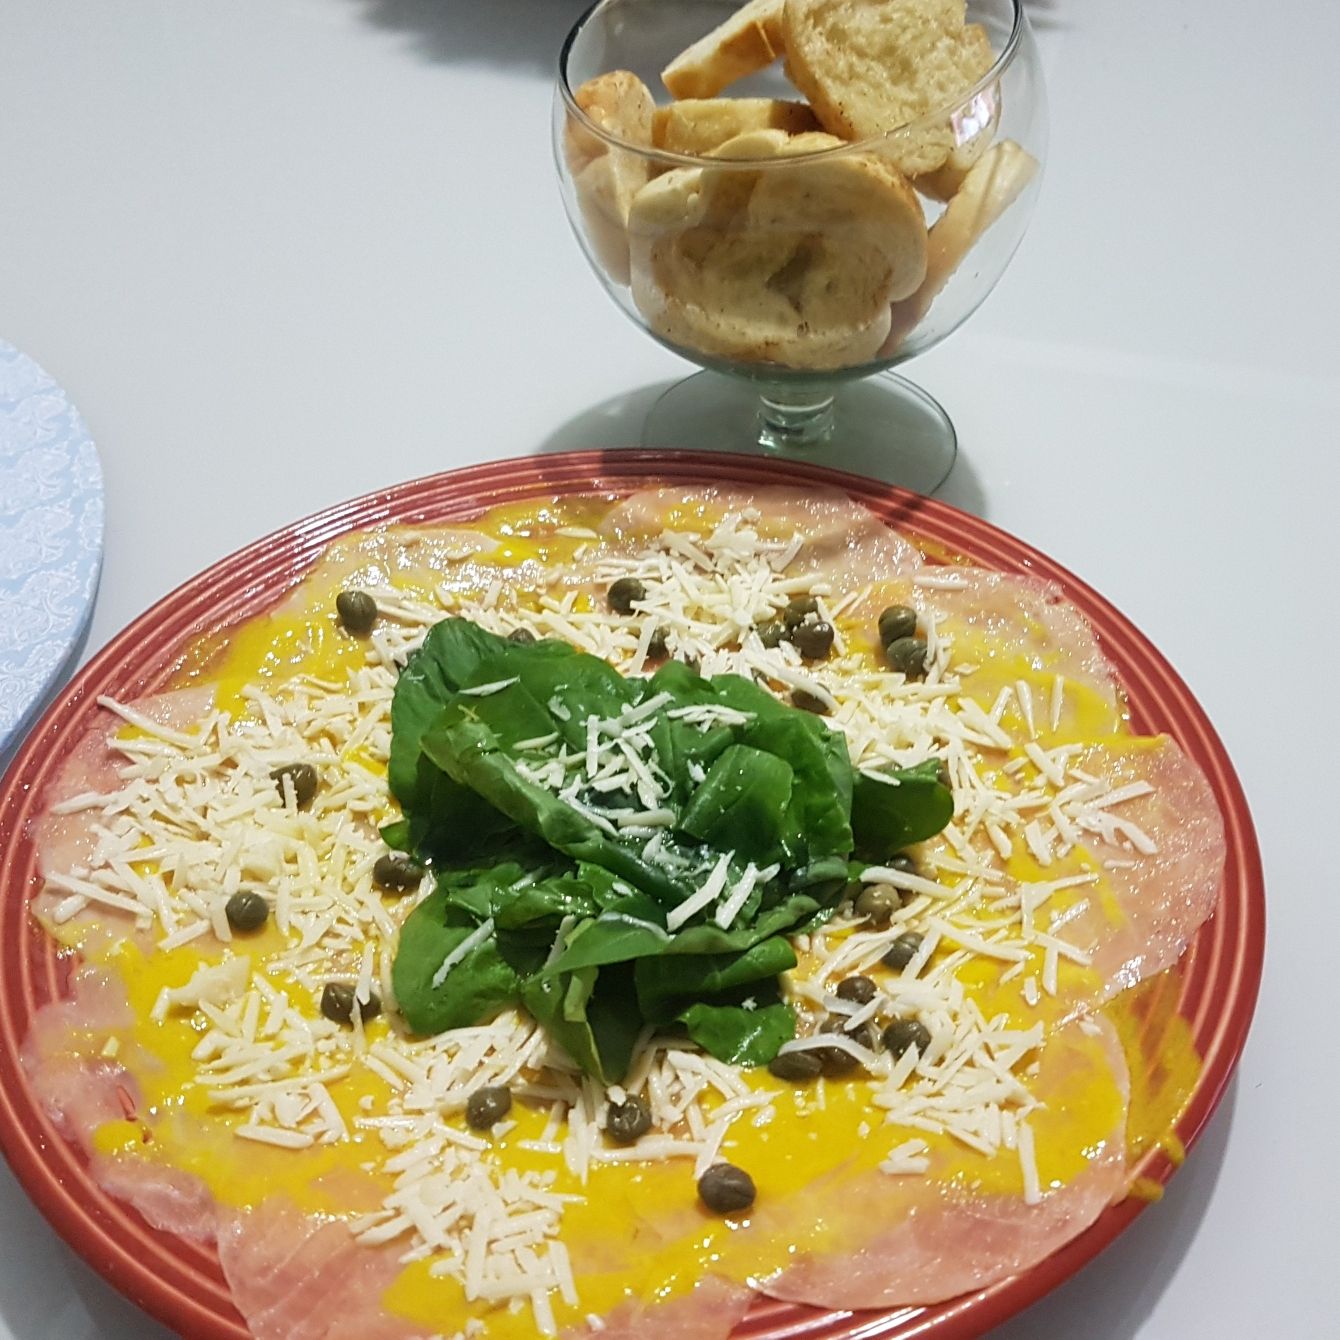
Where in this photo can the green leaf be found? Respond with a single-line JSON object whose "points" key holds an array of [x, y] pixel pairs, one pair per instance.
{"points": [[738, 1035], [788, 916], [913, 805], [396, 834], [588, 1014], [474, 990], [670, 983], [613, 937], [544, 904], [776, 787], [471, 753], [448, 657], [451, 823], [741, 804], [818, 820]]}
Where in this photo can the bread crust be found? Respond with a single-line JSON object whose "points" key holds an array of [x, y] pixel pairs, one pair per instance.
{"points": [[605, 177], [873, 67], [700, 126], [944, 182], [620, 104], [793, 265], [989, 188], [750, 40]]}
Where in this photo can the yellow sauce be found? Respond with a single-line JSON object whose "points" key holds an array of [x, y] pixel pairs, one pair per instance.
{"points": [[639, 1231], [1163, 1063]]}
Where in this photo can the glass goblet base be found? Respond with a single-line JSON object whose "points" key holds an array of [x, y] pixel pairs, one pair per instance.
{"points": [[883, 427]]}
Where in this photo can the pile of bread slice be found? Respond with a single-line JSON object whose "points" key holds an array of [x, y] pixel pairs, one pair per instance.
{"points": [[805, 262]]}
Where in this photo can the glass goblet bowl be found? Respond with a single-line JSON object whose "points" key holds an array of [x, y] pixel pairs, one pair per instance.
{"points": [[795, 265]]}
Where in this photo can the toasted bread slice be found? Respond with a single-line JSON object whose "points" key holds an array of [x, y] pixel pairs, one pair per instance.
{"points": [[943, 183], [606, 188], [750, 40], [606, 177], [854, 200], [794, 264], [990, 187], [871, 68], [619, 103], [702, 125]]}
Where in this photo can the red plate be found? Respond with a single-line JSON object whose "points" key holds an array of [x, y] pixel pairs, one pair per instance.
{"points": [[180, 1282]]}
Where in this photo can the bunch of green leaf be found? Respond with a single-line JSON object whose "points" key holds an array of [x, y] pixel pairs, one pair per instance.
{"points": [[563, 903]]}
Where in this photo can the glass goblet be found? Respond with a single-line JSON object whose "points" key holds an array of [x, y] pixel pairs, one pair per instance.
{"points": [[797, 268]]}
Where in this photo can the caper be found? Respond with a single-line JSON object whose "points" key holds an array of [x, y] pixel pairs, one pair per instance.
{"points": [[246, 911], [905, 1033], [942, 775], [488, 1105], [301, 777], [338, 1000], [896, 622], [396, 873], [691, 661], [877, 903], [902, 951], [813, 640], [841, 1023], [772, 633], [658, 649], [522, 637], [624, 592], [859, 989], [357, 611], [627, 1121], [726, 1188], [796, 1067], [808, 702], [907, 654], [904, 862], [797, 608], [836, 1061]]}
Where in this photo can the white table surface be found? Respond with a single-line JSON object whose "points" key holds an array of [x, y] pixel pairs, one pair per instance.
{"points": [[282, 252]]}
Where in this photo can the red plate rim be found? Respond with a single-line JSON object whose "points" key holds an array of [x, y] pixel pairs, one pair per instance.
{"points": [[180, 1282]]}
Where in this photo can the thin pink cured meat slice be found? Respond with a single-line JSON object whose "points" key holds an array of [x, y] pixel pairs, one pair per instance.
{"points": [[843, 543], [907, 1241], [169, 1199], [711, 1312], [459, 558], [95, 1007], [293, 1276], [80, 1088], [995, 620], [296, 1277], [1158, 898], [66, 842], [81, 1093], [996, 607]]}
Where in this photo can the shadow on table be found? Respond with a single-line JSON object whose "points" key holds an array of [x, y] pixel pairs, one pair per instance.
{"points": [[616, 424], [1044, 14], [525, 33], [1114, 1295]]}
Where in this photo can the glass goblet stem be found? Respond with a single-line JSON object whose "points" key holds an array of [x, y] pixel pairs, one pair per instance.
{"points": [[791, 418]]}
